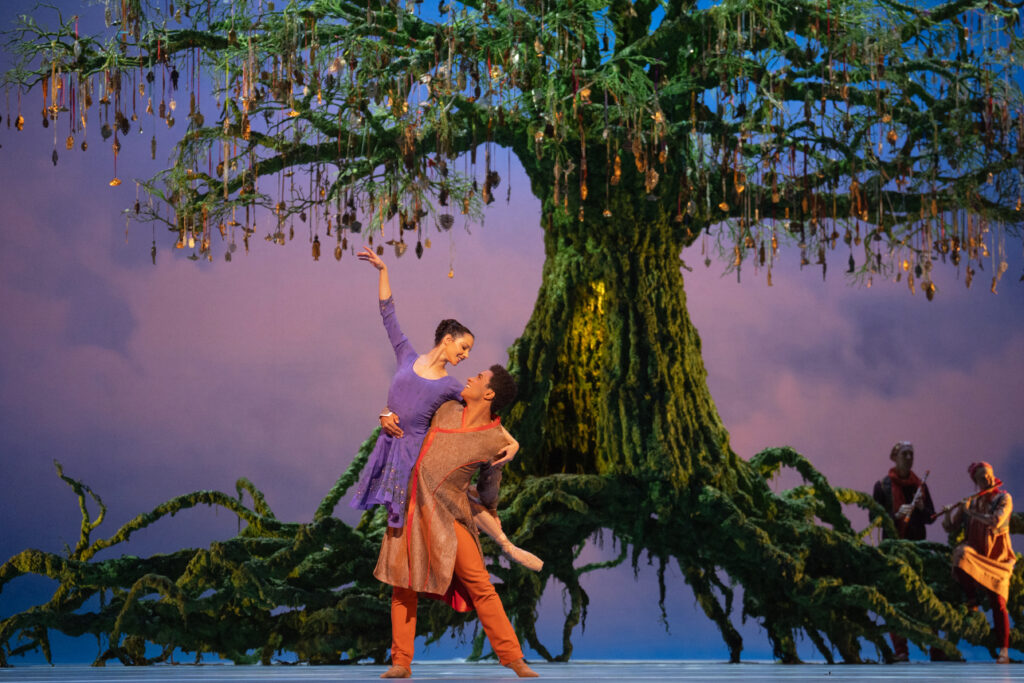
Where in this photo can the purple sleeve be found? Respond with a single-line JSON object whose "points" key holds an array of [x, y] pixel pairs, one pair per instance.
{"points": [[453, 390], [399, 342]]}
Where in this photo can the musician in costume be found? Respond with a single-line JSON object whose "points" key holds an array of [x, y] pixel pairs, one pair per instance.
{"points": [[437, 551], [905, 497], [897, 492], [985, 560]]}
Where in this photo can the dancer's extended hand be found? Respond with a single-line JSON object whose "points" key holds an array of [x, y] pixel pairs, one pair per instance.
{"points": [[371, 257], [389, 424], [506, 453]]}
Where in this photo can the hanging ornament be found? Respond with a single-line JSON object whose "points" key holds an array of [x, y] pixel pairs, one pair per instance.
{"points": [[651, 179], [316, 247]]}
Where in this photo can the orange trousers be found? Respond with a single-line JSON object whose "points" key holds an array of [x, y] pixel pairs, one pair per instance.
{"points": [[469, 567]]}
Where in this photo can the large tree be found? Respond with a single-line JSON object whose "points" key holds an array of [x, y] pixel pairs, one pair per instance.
{"points": [[879, 136]]}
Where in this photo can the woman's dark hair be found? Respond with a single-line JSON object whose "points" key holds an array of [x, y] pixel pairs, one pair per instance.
{"points": [[450, 326], [503, 386]]}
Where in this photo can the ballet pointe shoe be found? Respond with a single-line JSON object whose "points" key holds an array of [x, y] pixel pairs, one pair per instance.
{"points": [[489, 524], [396, 671], [521, 669]]}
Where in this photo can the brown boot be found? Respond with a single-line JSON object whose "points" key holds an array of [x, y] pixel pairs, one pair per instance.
{"points": [[396, 671], [523, 671]]}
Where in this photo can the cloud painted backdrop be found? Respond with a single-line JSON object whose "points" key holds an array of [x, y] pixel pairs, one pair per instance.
{"points": [[149, 382]]}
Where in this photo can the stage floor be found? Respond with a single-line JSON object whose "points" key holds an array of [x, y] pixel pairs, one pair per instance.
{"points": [[575, 671]]}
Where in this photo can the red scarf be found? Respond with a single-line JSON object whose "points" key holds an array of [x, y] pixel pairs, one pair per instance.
{"points": [[897, 496]]}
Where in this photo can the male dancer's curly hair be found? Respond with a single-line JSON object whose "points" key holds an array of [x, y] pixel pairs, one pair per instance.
{"points": [[504, 387]]}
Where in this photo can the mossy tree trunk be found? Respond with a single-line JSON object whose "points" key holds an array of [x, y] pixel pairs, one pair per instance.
{"points": [[609, 365], [613, 390]]}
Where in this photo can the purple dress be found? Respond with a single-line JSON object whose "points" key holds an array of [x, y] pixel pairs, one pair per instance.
{"points": [[414, 399]]}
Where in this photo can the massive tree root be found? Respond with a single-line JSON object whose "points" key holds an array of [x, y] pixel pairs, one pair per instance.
{"points": [[308, 589]]}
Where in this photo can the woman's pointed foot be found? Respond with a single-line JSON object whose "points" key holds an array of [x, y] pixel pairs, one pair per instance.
{"points": [[521, 669], [397, 671]]}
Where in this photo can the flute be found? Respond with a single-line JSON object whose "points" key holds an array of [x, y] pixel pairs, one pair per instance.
{"points": [[917, 497], [964, 501]]}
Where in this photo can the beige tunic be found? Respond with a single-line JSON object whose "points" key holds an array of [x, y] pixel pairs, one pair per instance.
{"points": [[987, 556], [421, 555]]}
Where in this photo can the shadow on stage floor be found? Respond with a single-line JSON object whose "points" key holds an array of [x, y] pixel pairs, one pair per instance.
{"points": [[575, 671]]}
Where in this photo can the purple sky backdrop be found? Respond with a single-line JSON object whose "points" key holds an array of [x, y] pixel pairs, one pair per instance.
{"points": [[149, 382]]}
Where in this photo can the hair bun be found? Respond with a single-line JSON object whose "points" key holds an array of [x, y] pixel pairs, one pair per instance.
{"points": [[450, 326]]}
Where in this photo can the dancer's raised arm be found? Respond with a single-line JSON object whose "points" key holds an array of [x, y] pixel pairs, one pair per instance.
{"points": [[388, 419], [384, 285]]}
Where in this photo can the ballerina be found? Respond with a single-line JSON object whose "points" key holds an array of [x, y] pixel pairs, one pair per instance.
{"points": [[420, 385]]}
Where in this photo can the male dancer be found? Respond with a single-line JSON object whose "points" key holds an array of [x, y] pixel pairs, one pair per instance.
{"points": [[437, 552]]}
